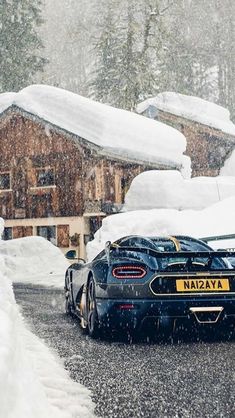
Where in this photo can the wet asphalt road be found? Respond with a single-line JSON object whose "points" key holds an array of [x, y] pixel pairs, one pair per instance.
{"points": [[144, 379]]}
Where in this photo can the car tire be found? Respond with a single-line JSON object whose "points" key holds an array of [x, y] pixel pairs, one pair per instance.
{"points": [[93, 326], [69, 306]]}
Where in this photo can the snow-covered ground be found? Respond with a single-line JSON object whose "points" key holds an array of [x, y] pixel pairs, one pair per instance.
{"points": [[169, 190], [45, 389], [217, 219], [33, 382], [117, 131]]}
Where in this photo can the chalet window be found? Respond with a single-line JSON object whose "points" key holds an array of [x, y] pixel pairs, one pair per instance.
{"points": [[45, 177], [7, 234], [152, 112], [41, 206], [48, 232], [6, 205], [5, 181], [95, 224]]}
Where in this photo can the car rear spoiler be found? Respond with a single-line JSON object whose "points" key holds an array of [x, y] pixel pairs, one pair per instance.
{"points": [[178, 254], [217, 238]]}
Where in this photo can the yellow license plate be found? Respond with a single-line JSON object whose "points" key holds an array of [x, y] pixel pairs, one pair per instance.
{"points": [[202, 285]]}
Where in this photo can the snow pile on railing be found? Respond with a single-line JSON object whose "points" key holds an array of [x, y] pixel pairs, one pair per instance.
{"points": [[110, 128], [168, 189], [34, 260], [217, 219]]}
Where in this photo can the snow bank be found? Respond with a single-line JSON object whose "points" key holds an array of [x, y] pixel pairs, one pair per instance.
{"points": [[33, 260], [217, 219], [168, 189], [229, 166], [33, 382], [102, 125], [192, 108]]}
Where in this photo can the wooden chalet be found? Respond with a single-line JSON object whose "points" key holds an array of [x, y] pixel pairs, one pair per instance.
{"points": [[56, 184], [209, 144]]}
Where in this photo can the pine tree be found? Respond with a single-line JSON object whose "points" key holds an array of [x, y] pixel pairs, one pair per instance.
{"points": [[189, 61], [224, 50], [105, 78], [124, 70], [154, 46], [128, 62], [20, 44]]}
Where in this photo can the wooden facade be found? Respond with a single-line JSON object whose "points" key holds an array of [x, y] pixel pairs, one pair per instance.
{"points": [[207, 147], [48, 173]]}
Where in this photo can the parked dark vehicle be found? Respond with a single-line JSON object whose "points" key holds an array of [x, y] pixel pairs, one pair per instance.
{"points": [[137, 281]]}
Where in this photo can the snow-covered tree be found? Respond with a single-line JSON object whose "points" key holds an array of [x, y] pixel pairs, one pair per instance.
{"points": [[105, 78], [127, 51], [224, 50], [128, 60], [69, 27], [188, 59], [20, 45], [123, 51]]}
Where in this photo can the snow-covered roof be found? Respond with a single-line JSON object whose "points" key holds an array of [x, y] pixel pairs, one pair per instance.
{"points": [[193, 108], [103, 125]]}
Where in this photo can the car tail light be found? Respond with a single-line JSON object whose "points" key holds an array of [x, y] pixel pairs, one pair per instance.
{"points": [[129, 272], [126, 306]]}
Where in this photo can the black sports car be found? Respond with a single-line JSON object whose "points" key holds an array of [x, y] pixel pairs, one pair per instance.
{"points": [[140, 280]]}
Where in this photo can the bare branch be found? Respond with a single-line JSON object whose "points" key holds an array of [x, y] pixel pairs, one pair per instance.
{"points": [[161, 12]]}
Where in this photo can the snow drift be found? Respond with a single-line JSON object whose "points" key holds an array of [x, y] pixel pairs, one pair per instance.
{"points": [[217, 219], [118, 131], [34, 260], [168, 189], [33, 382], [228, 168]]}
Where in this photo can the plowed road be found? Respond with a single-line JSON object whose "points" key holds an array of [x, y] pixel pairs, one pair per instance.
{"points": [[144, 379]]}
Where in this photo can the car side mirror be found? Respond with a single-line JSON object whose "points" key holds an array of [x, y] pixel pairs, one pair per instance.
{"points": [[72, 255]]}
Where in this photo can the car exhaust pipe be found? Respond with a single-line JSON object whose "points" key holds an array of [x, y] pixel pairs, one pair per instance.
{"points": [[207, 314]]}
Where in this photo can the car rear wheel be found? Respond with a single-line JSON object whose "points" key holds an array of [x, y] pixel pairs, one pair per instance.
{"points": [[68, 297], [92, 315]]}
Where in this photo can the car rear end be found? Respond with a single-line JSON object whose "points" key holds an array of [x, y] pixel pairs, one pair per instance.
{"points": [[194, 287]]}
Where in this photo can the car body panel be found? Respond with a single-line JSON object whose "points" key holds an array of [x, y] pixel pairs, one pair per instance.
{"points": [[126, 298]]}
